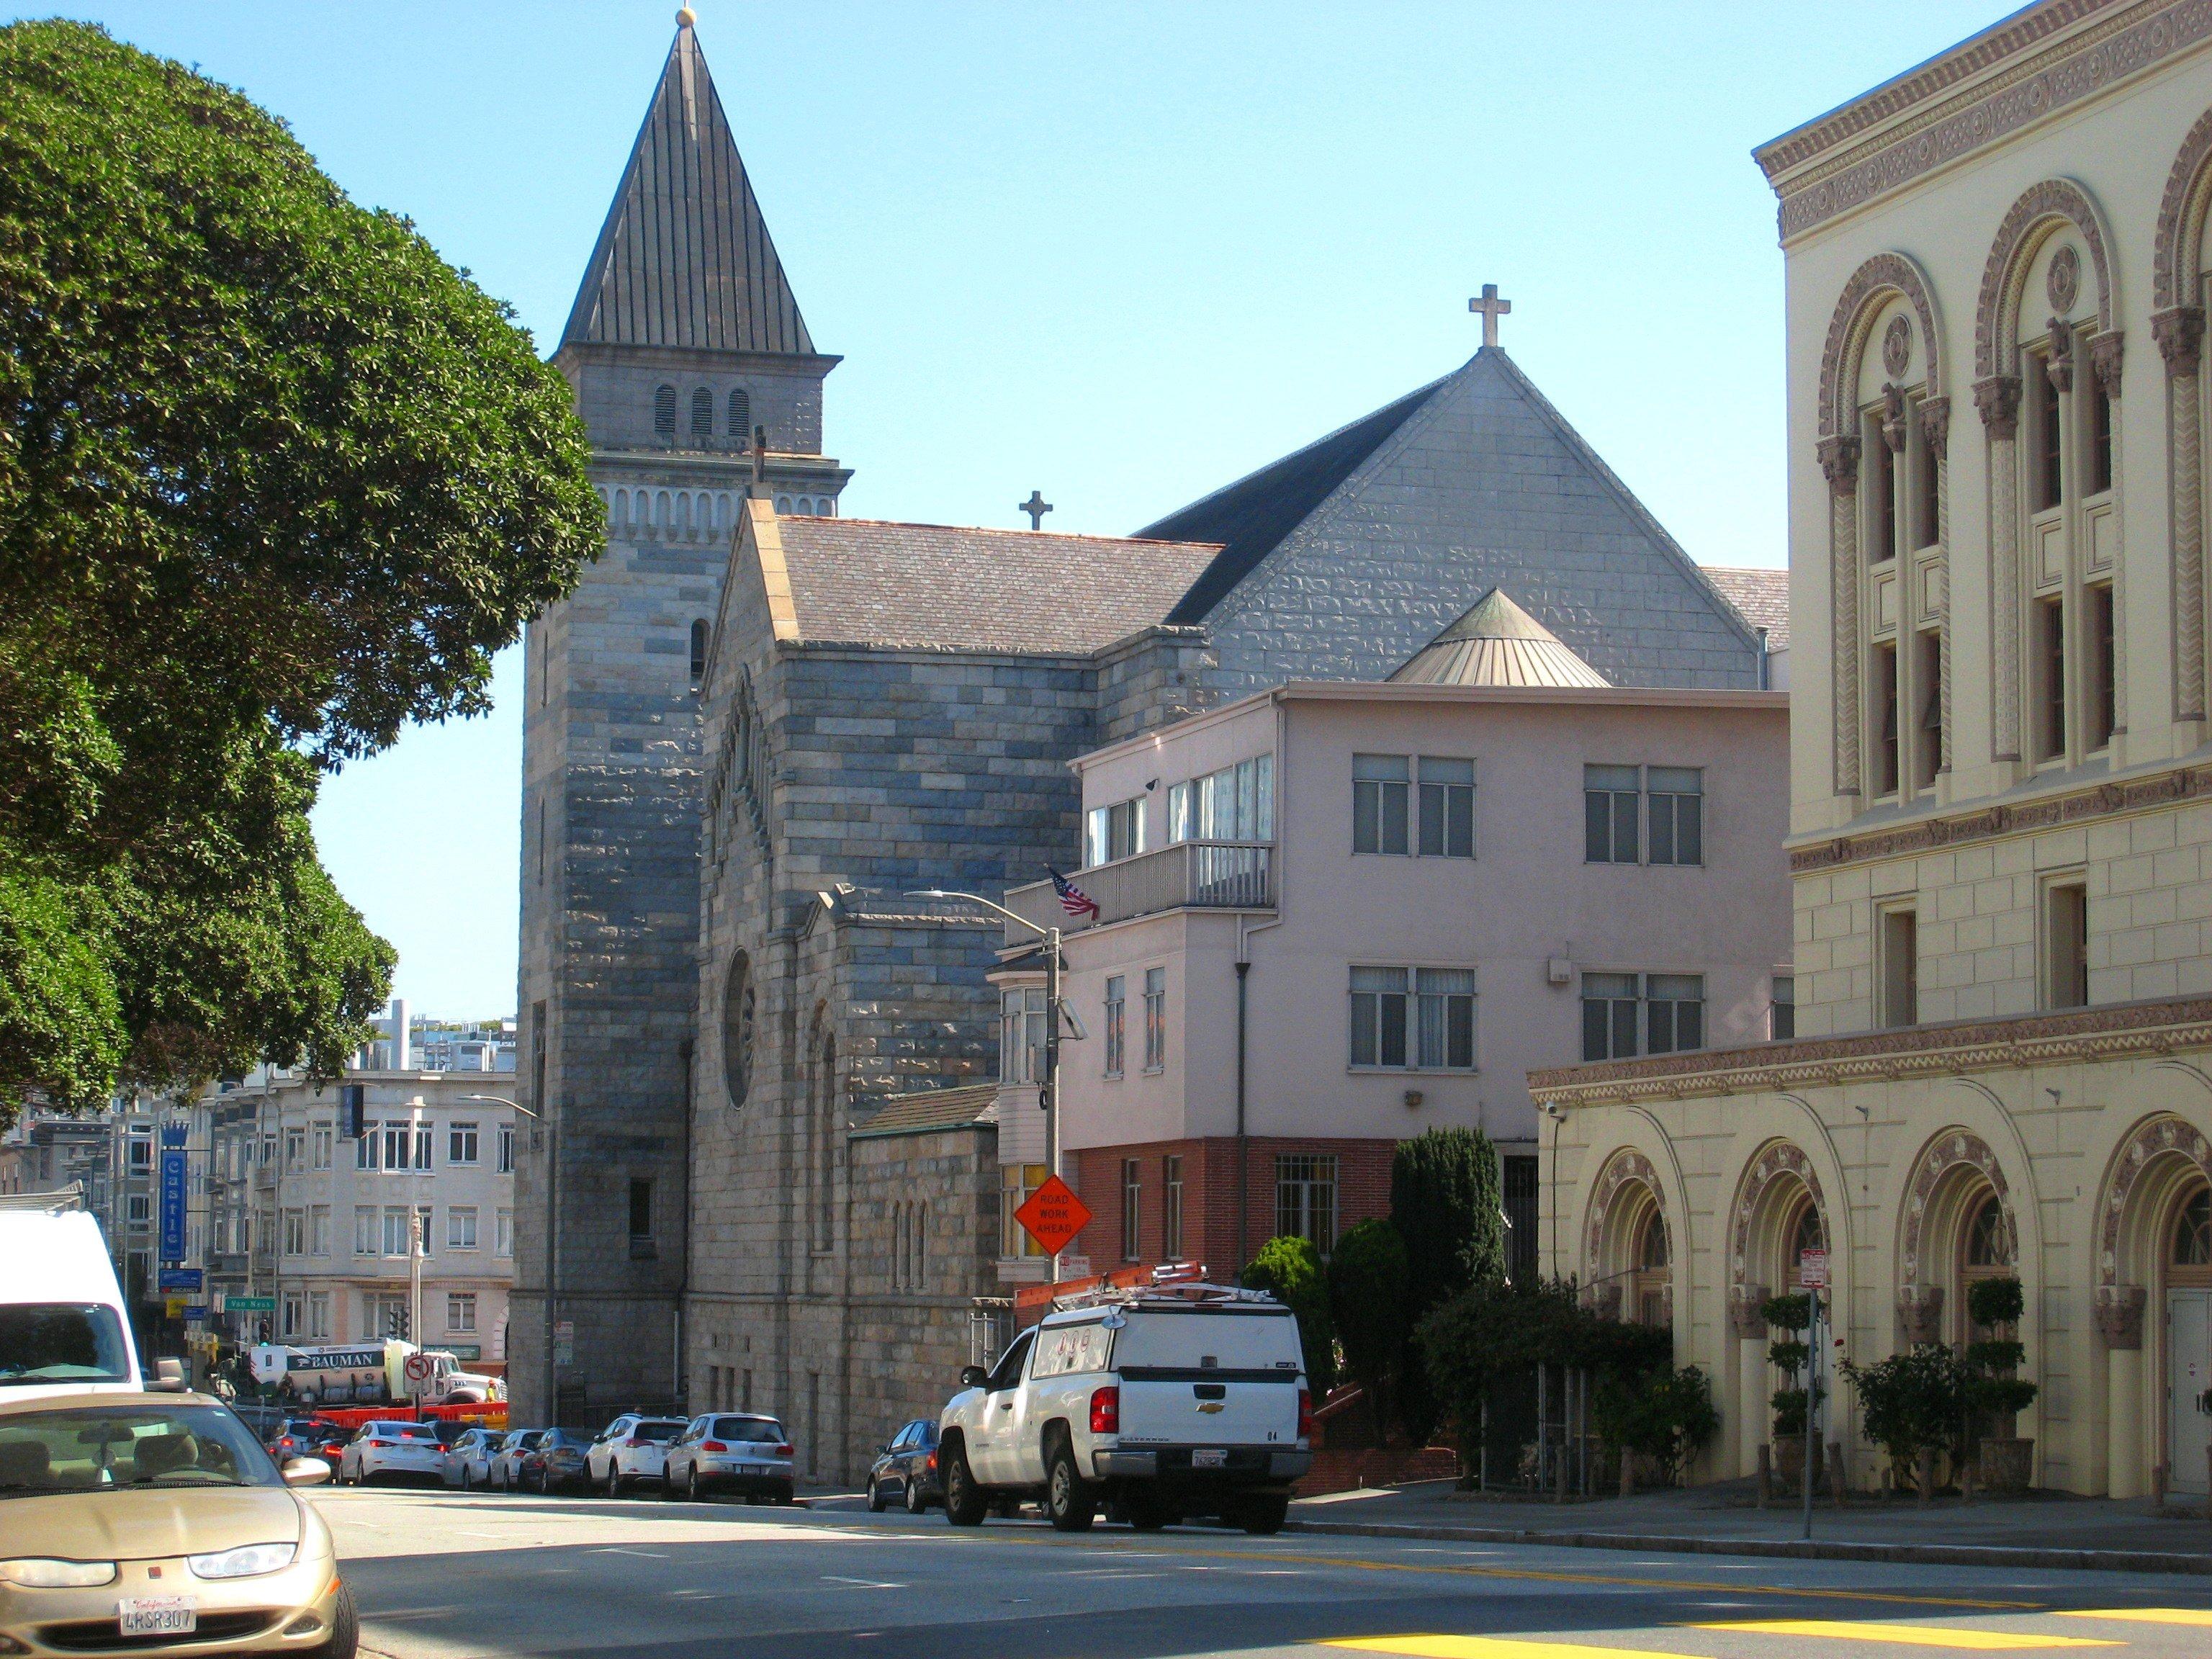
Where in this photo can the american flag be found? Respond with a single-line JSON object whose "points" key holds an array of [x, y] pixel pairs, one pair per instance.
{"points": [[1073, 899]]}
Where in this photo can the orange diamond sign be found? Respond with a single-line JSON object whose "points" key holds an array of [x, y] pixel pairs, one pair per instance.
{"points": [[1053, 1215]]}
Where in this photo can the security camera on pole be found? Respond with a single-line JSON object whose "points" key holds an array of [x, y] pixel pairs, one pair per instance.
{"points": [[1053, 1214]]}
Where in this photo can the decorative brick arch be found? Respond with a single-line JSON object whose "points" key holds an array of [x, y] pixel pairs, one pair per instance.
{"points": [[1624, 1168], [2040, 208], [1776, 1159], [1953, 1148], [2181, 220], [2149, 1141], [1885, 277]]}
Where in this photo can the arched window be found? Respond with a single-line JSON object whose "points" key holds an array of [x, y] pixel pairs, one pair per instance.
{"points": [[738, 1029], [703, 413], [804, 506], [741, 414], [698, 651], [664, 410], [826, 1159], [783, 504], [2192, 1232]]}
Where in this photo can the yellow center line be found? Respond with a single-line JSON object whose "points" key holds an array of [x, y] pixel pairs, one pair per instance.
{"points": [[2143, 1615], [1924, 1636], [1540, 1576]]}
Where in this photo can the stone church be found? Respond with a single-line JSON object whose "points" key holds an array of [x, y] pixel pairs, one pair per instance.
{"points": [[759, 723]]}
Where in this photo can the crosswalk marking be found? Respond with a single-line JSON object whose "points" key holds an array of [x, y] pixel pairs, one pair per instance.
{"points": [[1484, 1647], [1924, 1636], [2144, 1615]]}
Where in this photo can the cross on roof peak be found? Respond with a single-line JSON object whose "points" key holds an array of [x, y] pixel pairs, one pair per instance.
{"points": [[1491, 308], [1036, 507]]}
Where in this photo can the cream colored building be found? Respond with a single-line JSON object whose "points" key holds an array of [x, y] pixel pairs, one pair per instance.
{"points": [[2002, 791]]}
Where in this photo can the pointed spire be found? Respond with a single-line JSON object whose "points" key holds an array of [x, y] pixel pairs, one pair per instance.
{"points": [[1497, 643], [685, 258]]}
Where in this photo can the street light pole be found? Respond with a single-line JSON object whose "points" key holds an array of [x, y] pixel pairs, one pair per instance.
{"points": [[1049, 1096]]}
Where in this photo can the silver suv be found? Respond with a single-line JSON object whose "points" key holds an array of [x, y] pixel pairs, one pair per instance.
{"points": [[1159, 1403]]}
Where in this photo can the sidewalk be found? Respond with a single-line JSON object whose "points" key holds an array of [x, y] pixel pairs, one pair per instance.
{"points": [[2045, 1530]]}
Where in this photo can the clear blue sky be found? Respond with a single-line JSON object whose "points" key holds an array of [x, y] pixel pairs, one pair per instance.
{"points": [[1121, 252]]}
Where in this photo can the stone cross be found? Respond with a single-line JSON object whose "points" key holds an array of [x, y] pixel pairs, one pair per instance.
{"points": [[1036, 507], [1491, 308]]}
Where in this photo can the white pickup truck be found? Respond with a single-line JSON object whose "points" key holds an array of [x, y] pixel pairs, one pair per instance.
{"points": [[1158, 1403]]}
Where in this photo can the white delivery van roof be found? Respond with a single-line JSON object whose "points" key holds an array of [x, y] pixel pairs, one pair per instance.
{"points": [[55, 1256]]}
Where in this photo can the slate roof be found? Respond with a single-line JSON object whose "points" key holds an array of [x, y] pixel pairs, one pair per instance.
{"points": [[1497, 643], [1760, 597], [930, 1109], [685, 258], [1250, 517], [863, 581]]}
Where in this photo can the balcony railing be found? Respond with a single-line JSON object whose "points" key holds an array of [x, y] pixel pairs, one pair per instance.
{"points": [[1218, 875]]}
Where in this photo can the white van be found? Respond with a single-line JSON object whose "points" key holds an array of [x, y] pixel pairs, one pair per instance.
{"points": [[63, 1328]]}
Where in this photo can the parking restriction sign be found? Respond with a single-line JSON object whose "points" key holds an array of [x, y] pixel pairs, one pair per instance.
{"points": [[1812, 1269]]}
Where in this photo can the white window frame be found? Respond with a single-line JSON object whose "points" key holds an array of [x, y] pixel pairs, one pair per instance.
{"points": [[461, 1227], [1156, 1020], [461, 1142]]}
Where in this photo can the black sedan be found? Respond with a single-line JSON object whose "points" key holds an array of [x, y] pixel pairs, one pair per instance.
{"points": [[907, 1469], [557, 1459]]}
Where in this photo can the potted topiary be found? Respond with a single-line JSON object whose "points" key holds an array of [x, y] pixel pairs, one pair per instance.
{"points": [[1994, 1393], [1792, 1312]]}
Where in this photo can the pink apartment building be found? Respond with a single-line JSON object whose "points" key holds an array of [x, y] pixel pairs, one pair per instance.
{"points": [[1334, 915]]}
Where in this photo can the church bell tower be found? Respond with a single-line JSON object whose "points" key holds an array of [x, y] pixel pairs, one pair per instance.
{"points": [[696, 375]]}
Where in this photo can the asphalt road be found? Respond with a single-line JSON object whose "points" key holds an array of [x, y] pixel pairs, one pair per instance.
{"points": [[441, 1576]]}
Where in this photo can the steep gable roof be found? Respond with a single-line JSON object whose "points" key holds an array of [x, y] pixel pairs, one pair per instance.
{"points": [[862, 581], [1760, 597], [1497, 643], [685, 258], [1251, 517]]}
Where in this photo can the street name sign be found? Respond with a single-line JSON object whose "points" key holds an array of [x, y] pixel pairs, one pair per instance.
{"points": [[249, 1304], [1053, 1215]]}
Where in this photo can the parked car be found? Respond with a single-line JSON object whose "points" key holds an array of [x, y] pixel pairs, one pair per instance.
{"points": [[729, 1451], [329, 1440], [156, 1522], [906, 1469], [296, 1436], [1160, 1402], [557, 1461], [381, 1451], [468, 1459], [630, 1449], [506, 1469]]}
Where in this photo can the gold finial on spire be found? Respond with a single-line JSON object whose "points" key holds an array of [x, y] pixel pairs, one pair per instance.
{"points": [[685, 17]]}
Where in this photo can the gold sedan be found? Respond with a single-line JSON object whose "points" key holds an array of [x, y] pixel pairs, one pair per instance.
{"points": [[155, 1524]]}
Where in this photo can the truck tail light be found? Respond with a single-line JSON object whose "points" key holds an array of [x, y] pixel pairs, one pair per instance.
{"points": [[1305, 1414], [712, 1446], [1106, 1410]]}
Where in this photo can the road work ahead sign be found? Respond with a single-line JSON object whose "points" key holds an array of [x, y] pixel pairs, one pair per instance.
{"points": [[1052, 1216]]}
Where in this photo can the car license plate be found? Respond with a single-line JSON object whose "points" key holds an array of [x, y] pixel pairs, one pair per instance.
{"points": [[1214, 1458], [157, 1615]]}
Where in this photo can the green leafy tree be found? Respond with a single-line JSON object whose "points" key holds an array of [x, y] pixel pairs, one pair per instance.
{"points": [[1663, 1415], [275, 480], [1289, 1269], [1446, 1205], [1368, 1281]]}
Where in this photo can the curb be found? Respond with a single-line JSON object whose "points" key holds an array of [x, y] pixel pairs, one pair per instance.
{"points": [[1939, 1555]]}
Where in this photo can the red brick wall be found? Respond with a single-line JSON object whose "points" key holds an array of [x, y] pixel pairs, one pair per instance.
{"points": [[1209, 1195]]}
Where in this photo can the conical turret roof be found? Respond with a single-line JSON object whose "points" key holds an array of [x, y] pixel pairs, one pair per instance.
{"points": [[685, 258], [1497, 643]]}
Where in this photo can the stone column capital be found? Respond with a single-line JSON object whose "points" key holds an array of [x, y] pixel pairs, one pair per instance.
{"points": [[2179, 332], [1920, 1313], [1839, 461], [2107, 352], [2119, 1316], [1997, 398], [1935, 424], [1744, 1317]]}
